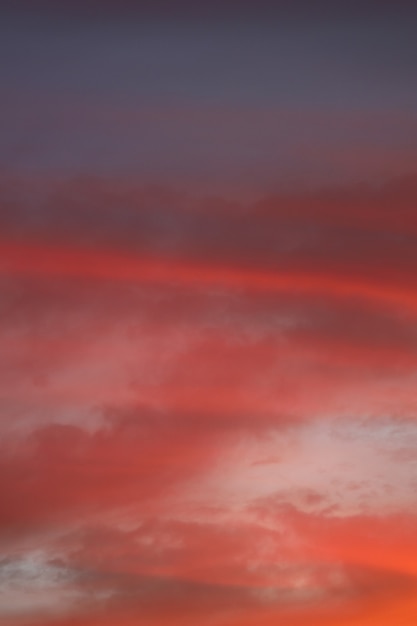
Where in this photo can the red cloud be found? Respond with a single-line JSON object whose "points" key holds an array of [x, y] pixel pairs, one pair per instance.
{"points": [[169, 400]]}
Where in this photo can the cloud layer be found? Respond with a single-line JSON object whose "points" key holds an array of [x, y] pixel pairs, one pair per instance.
{"points": [[208, 407]]}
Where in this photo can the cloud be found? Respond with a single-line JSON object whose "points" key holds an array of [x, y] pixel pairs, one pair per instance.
{"points": [[170, 570], [207, 407]]}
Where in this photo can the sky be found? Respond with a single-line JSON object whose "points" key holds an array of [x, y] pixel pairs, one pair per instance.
{"points": [[208, 307]]}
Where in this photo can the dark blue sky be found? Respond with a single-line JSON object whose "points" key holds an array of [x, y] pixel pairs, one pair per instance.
{"points": [[210, 97]]}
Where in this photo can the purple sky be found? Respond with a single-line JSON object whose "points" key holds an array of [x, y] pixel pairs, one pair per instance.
{"points": [[255, 99]]}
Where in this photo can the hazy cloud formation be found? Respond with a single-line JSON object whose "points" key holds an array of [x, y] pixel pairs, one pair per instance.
{"points": [[208, 304]]}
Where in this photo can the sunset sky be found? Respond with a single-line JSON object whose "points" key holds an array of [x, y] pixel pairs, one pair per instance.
{"points": [[208, 313]]}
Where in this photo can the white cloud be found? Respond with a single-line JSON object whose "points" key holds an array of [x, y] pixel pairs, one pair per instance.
{"points": [[340, 467]]}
